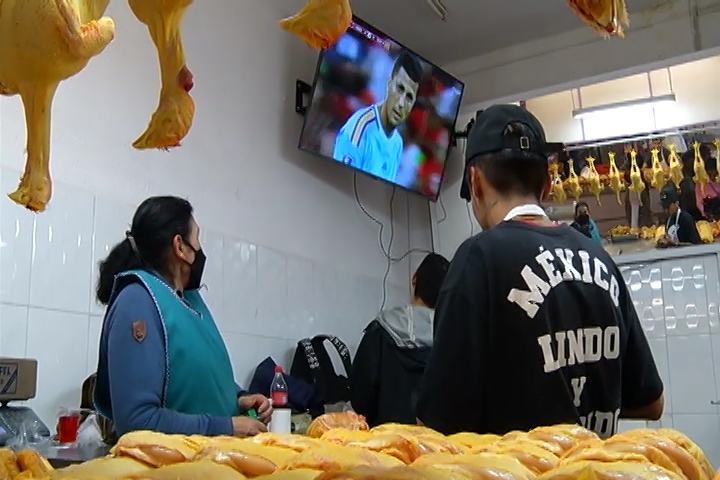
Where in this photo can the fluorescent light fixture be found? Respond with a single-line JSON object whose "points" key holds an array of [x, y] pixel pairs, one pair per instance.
{"points": [[439, 8], [627, 105]]}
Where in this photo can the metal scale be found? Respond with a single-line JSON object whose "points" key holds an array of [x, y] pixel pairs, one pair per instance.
{"points": [[18, 383]]}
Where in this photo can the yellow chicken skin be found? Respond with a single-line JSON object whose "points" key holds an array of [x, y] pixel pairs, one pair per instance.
{"points": [[701, 176], [617, 184], [595, 185], [558, 189], [657, 177], [674, 166], [320, 23], [173, 117], [636, 182], [43, 42], [573, 182]]}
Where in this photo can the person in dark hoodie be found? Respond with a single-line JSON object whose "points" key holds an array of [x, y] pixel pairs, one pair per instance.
{"points": [[391, 358]]}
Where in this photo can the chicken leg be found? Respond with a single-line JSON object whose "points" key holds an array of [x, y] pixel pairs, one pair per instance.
{"points": [[173, 117], [320, 23], [43, 42]]}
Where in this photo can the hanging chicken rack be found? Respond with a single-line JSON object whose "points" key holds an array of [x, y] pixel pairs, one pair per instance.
{"points": [[702, 128]]}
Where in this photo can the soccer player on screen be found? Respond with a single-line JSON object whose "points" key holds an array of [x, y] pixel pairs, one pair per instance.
{"points": [[369, 140]]}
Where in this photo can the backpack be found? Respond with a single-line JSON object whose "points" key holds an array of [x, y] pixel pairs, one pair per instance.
{"points": [[313, 364]]}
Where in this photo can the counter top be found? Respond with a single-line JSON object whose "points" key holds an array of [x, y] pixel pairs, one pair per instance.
{"points": [[644, 251]]}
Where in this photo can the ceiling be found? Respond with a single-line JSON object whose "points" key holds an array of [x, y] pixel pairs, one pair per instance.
{"points": [[474, 27]]}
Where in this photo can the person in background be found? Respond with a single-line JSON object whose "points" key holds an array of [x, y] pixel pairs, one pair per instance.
{"points": [[707, 200], [686, 197], [162, 364], [680, 227], [505, 353], [394, 349], [584, 224]]}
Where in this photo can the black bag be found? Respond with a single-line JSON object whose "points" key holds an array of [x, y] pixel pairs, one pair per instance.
{"points": [[300, 393], [313, 364]]}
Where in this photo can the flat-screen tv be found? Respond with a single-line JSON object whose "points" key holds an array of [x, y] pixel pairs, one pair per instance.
{"points": [[383, 110]]}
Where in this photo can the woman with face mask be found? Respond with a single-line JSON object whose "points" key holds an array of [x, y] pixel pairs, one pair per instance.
{"points": [[163, 365], [584, 224]]}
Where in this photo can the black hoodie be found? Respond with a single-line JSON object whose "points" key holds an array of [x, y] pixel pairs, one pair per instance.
{"points": [[389, 365]]}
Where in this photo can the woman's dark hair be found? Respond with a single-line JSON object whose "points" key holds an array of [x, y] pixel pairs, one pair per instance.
{"points": [[156, 222], [579, 205], [429, 277]]}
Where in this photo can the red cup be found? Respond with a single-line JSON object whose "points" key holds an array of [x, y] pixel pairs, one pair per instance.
{"points": [[68, 426]]}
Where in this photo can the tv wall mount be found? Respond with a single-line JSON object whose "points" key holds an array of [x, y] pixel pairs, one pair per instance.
{"points": [[303, 90]]}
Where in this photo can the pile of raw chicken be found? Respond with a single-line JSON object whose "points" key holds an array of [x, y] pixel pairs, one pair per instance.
{"points": [[657, 176], [340, 446], [43, 42]]}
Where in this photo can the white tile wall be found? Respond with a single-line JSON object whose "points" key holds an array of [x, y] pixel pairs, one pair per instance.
{"points": [[677, 302], [264, 300]]}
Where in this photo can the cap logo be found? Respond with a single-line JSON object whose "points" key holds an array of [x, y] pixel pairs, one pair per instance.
{"points": [[524, 143]]}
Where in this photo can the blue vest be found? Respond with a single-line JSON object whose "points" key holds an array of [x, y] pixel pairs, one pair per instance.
{"points": [[199, 376]]}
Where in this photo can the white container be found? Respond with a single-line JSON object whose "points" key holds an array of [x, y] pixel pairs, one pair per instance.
{"points": [[281, 421]]}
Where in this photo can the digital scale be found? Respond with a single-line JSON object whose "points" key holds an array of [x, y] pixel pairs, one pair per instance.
{"points": [[18, 383]]}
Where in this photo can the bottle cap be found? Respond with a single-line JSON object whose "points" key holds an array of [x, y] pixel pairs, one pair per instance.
{"points": [[278, 369]]}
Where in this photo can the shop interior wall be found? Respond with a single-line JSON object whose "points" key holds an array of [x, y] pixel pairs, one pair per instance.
{"points": [[694, 83], [290, 254]]}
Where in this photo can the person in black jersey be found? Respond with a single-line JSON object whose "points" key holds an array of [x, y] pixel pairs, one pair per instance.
{"points": [[680, 227], [534, 324]]}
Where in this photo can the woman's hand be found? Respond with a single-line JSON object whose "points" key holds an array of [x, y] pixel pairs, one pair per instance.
{"points": [[247, 427], [260, 403]]}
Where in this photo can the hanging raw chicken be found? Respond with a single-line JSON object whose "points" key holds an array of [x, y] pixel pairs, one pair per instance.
{"points": [[320, 23], [594, 184], [173, 117], [674, 166], [617, 184], [607, 17], [573, 182], [657, 177], [636, 182], [41, 44], [701, 176], [558, 190]]}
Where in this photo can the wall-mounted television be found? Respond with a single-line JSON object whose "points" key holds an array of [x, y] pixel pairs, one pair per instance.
{"points": [[383, 110]]}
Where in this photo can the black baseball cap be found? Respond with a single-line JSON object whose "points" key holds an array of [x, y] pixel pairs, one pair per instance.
{"points": [[495, 130], [668, 196]]}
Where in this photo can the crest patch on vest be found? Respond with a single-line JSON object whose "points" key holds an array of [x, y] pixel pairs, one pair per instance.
{"points": [[139, 330]]}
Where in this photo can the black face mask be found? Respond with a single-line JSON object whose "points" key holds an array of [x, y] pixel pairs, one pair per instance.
{"points": [[196, 269], [583, 219]]}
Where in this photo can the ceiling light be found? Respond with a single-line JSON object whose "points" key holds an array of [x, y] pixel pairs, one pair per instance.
{"points": [[627, 105], [439, 8]]}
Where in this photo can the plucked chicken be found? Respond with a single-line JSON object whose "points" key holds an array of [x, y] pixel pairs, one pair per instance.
{"points": [[115, 467], [485, 465], [636, 181], [43, 42], [320, 23], [591, 470], [558, 189], [335, 457], [245, 456], [573, 182], [189, 471], [173, 117], [701, 176], [657, 175], [607, 17], [617, 184], [594, 184], [156, 449], [329, 421], [674, 166]]}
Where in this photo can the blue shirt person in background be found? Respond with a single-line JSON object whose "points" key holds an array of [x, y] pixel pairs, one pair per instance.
{"points": [[369, 140], [584, 224], [163, 365]]}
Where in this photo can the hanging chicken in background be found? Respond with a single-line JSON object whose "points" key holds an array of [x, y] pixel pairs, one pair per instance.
{"points": [[173, 117], [320, 23], [558, 189], [42, 43], [701, 176], [674, 166], [657, 175], [594, 184], [606, 17], [636, 182], [615, 179], [573, 182]]}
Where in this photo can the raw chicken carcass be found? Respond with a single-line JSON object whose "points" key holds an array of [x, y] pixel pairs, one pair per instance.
{"points": [[335, 457], [675, 167], [320, 23], [701, 176], [590, 470], [347, 420], [617, 184], [155, 449], [573, 182], [246, 457], [558, 189], [115, 467], [43, 42], [189, 471], [657, 177], [474, 440], [594, 184], [173, 117], [484, 465], [636, 181], [298, 443], [607, 17]]}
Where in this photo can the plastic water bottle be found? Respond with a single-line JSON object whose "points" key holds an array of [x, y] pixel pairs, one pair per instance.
{"points": [[281, 420]]}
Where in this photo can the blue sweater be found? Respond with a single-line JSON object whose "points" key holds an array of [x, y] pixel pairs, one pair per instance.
{"points": [[135, 372]]}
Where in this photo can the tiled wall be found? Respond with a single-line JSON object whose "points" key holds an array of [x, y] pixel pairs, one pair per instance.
{"points": [[677, 302], [263, 300]]}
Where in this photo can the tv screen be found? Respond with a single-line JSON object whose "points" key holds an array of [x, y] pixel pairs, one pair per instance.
{"points": [[383, 110]]}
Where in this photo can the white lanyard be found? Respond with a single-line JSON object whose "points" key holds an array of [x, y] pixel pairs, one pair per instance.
{"points": [[677, 219], [529, 209]]}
